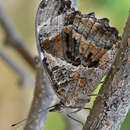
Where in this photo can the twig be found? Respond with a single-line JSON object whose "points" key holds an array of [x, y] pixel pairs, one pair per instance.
{"points": [[25, 78], [110, 111], [43, 97], [14, 38]]}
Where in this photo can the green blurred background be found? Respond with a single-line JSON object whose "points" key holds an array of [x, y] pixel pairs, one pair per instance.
{"points": [[15, 100]]}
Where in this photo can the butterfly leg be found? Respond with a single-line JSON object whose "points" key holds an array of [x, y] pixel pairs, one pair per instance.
{"points": [[69, 116], [92, 95]]}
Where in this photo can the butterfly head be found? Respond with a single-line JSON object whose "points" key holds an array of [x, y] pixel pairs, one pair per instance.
{"points": [[57, 108]]}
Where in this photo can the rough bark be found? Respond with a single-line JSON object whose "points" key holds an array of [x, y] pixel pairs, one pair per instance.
{"points": [[42, 100], [111, 107]]}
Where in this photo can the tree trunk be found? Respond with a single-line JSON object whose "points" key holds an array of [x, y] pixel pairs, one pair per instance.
{"points": [[110, 109]]}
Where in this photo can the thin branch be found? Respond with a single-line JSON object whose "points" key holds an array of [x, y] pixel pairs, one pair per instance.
{"points": [[110, 110], [43, 97], [14, 38], [25, 78]]}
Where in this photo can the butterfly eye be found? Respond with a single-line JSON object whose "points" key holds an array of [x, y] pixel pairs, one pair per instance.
{"points": [[62, 90], [68, 103]]}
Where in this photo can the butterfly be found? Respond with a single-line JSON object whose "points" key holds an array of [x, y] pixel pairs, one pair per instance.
{"points": [[76, 51], [76, 54]]}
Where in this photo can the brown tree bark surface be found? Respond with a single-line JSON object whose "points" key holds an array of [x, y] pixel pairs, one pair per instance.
{"points": [[111, 107]]}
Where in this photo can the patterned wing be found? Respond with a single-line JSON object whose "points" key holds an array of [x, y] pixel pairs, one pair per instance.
{"points": [[78, 50]]}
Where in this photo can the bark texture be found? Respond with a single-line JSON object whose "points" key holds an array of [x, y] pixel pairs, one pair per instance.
{"points": [[43, 97], [110, 109]]}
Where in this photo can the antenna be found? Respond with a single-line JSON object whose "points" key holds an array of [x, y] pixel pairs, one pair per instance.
{"points": [[19, 122]]}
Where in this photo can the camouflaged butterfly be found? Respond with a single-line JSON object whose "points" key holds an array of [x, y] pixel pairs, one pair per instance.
{"points": [[77, 50]]}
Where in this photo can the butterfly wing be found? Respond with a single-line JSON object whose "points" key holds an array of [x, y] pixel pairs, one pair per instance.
{"points": [[72, 43]]}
